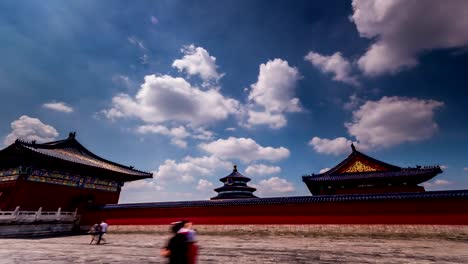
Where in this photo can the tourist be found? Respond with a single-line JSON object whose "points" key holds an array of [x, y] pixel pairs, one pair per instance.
{"points": [[103, 226], [94, 232], [190, 234], [176, 249]]}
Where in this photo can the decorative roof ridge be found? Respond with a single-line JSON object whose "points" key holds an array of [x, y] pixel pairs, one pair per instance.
{"points": [[106, 160], [48, 145], [426, 167], [71, 142], [355, 153], [25, 141]]}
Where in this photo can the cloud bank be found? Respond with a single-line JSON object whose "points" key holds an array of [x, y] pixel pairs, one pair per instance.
{"points": [[404, 29], [384, 123], [29, 128]]}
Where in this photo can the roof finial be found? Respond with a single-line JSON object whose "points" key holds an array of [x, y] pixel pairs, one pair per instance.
{"points": [[235, 168], [71, 135], [353, 147]]}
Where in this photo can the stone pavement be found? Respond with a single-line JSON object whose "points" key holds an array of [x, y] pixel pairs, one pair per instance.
{"points": [[144, 248]]}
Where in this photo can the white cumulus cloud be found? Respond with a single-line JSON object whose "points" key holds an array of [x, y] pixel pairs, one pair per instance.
{"points": [[197, 61], [165, 98], [204, 185], [393, 120], [142, 185], [335, 146], [59, 107], [437, 183], [29, 128], [273, 186], [274, 94], [404, 29], [262, 169], [244, 149], [384, 123], [189, 169], [336, 64], [266, 118], [177, 134]]}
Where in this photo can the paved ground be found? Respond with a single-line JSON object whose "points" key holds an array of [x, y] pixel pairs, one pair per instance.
{"points": [[239, 249]]}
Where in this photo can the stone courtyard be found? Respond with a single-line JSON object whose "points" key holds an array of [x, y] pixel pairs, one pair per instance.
{"points": [[251, 244]]}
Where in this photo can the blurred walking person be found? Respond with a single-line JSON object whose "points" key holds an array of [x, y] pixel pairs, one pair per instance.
{"points": [[95, 231], [191, 236], [104, 227], [176, 249]]}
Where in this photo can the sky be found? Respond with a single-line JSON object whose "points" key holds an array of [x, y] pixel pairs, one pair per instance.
{"points": [[186, 89]]}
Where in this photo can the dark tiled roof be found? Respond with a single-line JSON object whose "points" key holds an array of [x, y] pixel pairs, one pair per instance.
{"points": [[235, 188], [403, 173], [235, 174], [462, 194], [234, 196], [72, 151], [355, 155], [390, 171]]}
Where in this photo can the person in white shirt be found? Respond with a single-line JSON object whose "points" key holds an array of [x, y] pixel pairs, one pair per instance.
{"points": [[104, 226]]}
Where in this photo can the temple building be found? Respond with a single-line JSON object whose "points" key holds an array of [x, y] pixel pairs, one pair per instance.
{"points": [[235, 187], [361, 174], [61, 174]]}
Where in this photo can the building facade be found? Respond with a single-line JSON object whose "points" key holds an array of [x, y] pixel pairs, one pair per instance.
{"points": [[61, 174]]}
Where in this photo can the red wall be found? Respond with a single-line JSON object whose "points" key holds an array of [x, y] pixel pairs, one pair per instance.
{"points": [[443, 211], [32, 195]]}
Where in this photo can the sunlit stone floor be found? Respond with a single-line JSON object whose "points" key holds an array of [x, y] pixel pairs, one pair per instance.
{"points": [[240, 248]]}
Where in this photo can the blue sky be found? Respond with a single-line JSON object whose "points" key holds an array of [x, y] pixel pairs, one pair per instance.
{"points": [[185, 89]]}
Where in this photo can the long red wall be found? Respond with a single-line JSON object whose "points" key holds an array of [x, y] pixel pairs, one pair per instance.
{"points": [[435, 211]]}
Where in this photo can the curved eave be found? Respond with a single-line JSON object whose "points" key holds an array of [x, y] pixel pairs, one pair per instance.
{"points": [[235, 188], [233, 196], [235, 176], [125, 176], [416, 176], [243, 179]]}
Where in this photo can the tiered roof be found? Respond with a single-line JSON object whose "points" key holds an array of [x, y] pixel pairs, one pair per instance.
{"points": [[235, 187], [70, 151]]}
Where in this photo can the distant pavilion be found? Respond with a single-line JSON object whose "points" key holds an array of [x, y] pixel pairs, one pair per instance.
{"points": [[361, 174], [235, 187]]}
